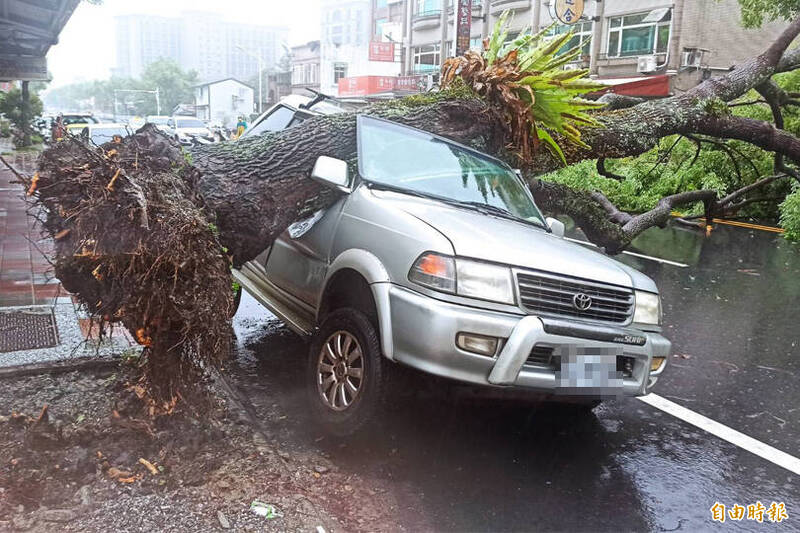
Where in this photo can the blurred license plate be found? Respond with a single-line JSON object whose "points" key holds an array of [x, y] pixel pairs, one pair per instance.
{"points": [[589, 374]]}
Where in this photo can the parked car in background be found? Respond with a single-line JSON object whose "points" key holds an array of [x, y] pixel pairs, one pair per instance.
{"points": [[161, 122], [103, 133], [189, 130], [76, 128], [437, 257], [70, 119]]}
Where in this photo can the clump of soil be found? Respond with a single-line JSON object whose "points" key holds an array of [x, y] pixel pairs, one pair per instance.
{"points": [[88, 462], [135, 244]]}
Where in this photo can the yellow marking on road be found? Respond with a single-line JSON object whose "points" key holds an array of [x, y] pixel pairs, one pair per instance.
{"points": [[702, 222]]}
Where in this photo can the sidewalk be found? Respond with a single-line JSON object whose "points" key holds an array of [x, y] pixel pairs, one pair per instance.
{"points": [[39, 321], [26, 277]]}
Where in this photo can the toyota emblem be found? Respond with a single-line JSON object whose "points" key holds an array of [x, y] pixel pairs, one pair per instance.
{"points": [[582, 301]]}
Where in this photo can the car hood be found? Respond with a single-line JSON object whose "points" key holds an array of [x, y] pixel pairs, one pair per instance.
{"points": [[499, 240]]}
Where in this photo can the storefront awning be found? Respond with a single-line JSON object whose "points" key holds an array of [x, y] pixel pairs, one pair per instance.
{"points": [[28, 28], [645, 86]]}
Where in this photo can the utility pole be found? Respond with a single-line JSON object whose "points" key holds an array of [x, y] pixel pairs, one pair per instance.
{"points": [[597, 36], [443, 24], [26, 114], [155, 92], [536, 21], [673, 61], [257, 57]]}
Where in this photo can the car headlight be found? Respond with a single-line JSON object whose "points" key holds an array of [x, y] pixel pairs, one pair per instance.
{"points": [[648, 308], [484, 281], [464, 277]]}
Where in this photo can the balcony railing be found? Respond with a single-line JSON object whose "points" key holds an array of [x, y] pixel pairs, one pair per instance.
{"points": [[428, 13]]}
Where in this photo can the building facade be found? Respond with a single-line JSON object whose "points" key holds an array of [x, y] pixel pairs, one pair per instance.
{"points": [[347, 28], [684, 41], [305, 67], [223, 101], [198, 41]]}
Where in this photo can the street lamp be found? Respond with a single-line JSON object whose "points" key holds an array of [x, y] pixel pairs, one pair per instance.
{"points": [[257, 57], [158, 100]]}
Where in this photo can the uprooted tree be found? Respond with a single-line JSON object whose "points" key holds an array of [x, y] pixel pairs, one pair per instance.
{"points": [[146, 234]]}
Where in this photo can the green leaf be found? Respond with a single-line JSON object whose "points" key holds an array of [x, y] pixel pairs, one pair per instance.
{"points": [[551, 144]]}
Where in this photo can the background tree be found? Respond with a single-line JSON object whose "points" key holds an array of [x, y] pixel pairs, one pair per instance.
{"points": [[11, 105], [755, 12], [175, 86]]}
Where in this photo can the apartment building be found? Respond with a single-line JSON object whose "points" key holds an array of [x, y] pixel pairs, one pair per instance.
{"points": [[346, 45], [305, 67], [199, 41], [650, 47]]}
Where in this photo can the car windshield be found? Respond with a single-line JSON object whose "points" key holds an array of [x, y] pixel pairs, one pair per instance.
{"points": [[158, 120], [403, 158], [189, 123], [104, 135]]}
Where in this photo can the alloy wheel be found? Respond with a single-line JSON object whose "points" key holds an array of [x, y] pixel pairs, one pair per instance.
{"points": [[340, 370]]}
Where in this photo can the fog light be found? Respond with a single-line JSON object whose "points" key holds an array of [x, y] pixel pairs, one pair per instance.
{"points": [[479, 344], [656, 364]]}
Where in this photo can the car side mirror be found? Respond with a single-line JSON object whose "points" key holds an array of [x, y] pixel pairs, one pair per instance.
{"points": [[331, 172], [556, 226]]}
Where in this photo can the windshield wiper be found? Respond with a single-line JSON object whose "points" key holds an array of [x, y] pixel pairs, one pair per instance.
{"points": [[486, 209], [489, 209]]}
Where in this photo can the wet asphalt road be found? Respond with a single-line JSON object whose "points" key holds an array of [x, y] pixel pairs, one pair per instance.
{"points": [[459, 463]]}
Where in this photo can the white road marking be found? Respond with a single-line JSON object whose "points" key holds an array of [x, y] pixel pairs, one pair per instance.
{"points": [[634, 254], [765, 451]]}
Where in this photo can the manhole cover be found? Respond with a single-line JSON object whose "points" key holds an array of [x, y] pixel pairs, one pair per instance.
{"points": [[21, 330]]}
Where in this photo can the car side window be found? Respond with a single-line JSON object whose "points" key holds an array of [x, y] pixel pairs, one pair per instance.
{"points": [[278, 120], [298, 118]]}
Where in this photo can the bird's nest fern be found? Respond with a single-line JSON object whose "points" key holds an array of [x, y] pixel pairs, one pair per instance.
{"points": [[525, 79]]}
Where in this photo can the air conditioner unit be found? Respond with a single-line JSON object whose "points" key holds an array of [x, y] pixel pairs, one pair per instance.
{"points": [[692, 58], [645, 64]]}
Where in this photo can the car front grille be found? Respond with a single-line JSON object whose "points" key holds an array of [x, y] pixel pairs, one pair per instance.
{"points": [[542, 356], [554, 295]]}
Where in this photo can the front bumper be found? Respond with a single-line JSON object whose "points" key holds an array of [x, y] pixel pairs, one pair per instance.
{"points": [[423, 333]]}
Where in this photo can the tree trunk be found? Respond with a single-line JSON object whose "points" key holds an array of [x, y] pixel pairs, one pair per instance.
{"points": [[259, 185]]}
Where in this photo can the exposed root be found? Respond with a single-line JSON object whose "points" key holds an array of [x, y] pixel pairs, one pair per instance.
{"points": [[137, 247]]}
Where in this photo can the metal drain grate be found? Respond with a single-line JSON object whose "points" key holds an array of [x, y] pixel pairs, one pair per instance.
{"points": [[20, 330]]}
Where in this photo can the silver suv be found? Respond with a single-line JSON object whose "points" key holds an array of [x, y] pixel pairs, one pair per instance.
{"points": [[437, 257]]}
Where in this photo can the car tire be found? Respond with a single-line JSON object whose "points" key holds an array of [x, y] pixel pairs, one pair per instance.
{"points": [[346, 373]]}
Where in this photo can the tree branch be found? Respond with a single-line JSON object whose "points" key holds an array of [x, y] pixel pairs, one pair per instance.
{"points": [[601, 169]]}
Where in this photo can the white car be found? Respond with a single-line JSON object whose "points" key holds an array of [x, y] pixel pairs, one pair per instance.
{"points": [[103, 133], [161, 122], [189, 130]]}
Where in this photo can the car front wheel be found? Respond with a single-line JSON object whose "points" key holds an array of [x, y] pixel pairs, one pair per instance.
{"points": [[346, 372]]}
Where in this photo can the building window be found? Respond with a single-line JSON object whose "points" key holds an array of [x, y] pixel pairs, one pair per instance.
{"points": [[427, 58], [428, 7], [582, 37], [380, 4], [339, 71], [639, 34]]}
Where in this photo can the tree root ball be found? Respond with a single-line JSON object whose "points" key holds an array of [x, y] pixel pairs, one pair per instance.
{"points": [[136, 246]]}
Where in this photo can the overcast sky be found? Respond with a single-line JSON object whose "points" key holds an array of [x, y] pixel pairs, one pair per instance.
{"points": [[85, 49]]}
